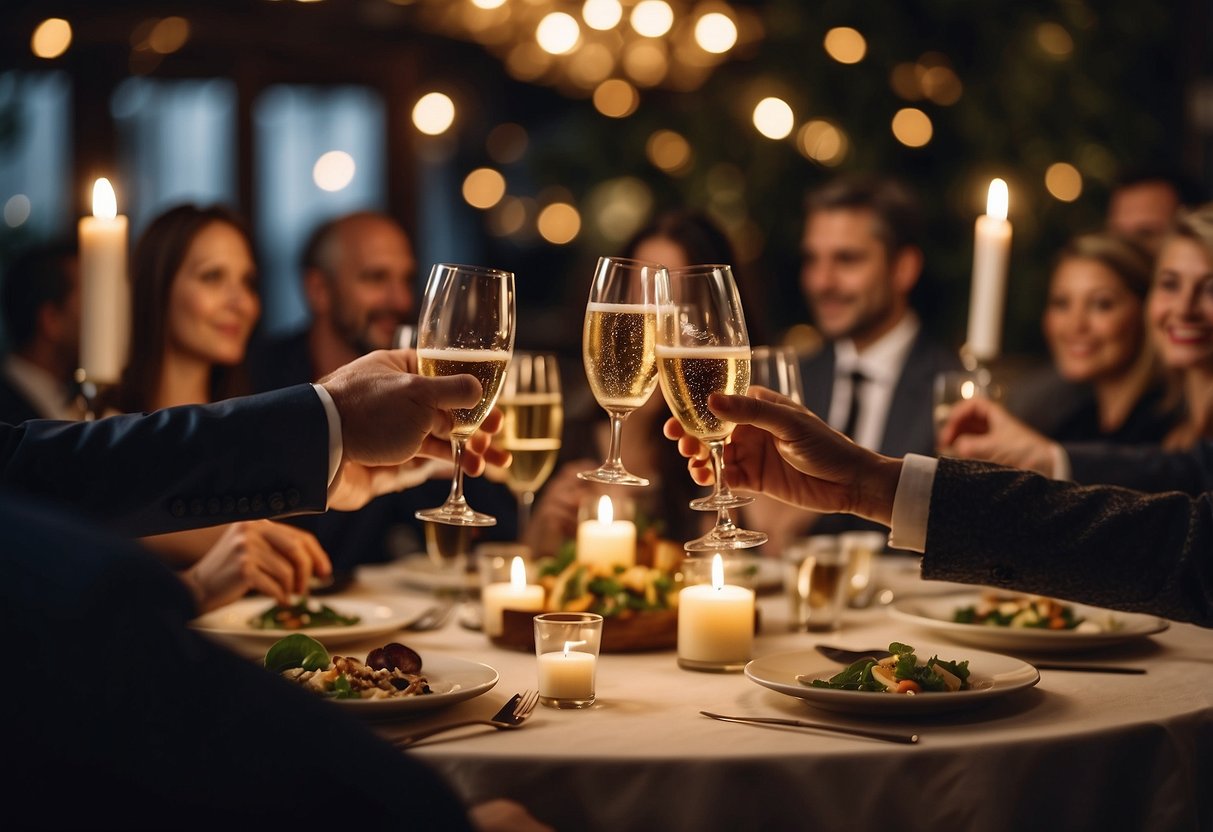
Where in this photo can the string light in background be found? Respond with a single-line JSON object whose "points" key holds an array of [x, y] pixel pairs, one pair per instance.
{"points": [[434, 113], [334, 170], [1063, 182], [483, 188], [52, 38], [845, 45], [912, 127], [773, 118]]}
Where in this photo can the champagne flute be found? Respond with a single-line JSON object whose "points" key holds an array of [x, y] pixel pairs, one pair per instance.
{"points": [[617, 345], [467, 326], [703, 348], [534, 422], [777, 369]]}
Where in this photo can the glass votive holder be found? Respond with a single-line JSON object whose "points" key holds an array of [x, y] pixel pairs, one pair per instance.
{"points": [[566, 649], [861, 549], [815, 580], [508, 581], [715, 618]]}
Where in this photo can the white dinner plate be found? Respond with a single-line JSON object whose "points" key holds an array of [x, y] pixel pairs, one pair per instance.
{"points": [[452, 680], [936, 613], [992, 676], [419, 572], [377, 617]]}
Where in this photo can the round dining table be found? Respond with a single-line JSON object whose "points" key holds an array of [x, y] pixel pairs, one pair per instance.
{"points": [[1078, 750]]}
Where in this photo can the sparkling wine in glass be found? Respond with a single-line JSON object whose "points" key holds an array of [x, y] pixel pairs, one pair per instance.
{"points": [[534, 422], [703, 348], [467, 326], [618, 345]]}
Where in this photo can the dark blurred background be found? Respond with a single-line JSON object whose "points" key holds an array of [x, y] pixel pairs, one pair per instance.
{"points": [[294, 111]]}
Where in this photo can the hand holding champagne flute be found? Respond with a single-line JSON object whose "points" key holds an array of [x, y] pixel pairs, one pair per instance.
{"points": [[467, 326], [703, 348], [618, 346]]}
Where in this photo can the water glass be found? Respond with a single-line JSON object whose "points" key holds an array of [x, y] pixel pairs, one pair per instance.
{"points": [[815, 579]]}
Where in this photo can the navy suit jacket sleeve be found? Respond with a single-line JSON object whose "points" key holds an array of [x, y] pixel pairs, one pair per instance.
{"points": [[1099, 545], [178, 468], [1145, 468]]}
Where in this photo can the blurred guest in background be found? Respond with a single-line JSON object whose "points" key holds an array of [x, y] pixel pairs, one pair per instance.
{"points": [[1144, 202], [1094, 323], [41, 306]]}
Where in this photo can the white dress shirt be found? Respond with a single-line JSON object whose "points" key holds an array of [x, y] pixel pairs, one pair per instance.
{"points": [[881, 364], [336, 447]]}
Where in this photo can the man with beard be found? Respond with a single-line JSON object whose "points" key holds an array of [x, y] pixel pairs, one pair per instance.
{"points": [[875, 377]]}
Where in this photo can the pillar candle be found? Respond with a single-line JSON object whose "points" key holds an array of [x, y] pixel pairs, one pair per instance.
{"points": [[104, 290], [716, 623], [991, 251], [604, 543], [516, 595]]}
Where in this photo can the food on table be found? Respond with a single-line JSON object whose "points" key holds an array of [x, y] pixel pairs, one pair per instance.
{"points": [[1022, 611], [390, 672], [301, 615], [901, 673], [574, 586]]}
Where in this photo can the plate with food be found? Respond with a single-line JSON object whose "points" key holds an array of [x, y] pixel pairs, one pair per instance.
{"points": [[911, 682], [1028, 623], [334, 620], [392, 680]]}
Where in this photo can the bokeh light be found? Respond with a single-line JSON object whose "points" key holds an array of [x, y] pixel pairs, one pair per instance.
{"points": [[559, 223], [16, 210], [602, 15], [652, 18], [912, 127], [527, 61], [434, 113], [483, 188], [845, 45], [619, 207], [645, 62], [557, 33], [508, 217], [773, 118], [941, 85], [823, 142], [668, 151], [168, 35], [488, 4], [1063, 182], [616, 98], [507, 143], [333, 170], [52, 38], [1054, 40], [591, 65], [904, 81], [715, 32]]}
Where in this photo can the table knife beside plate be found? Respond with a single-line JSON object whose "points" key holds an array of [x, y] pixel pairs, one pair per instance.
{"points": [[887, 736]]}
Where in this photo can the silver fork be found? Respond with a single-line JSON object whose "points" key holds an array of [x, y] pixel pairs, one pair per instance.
{"points": [[432, 618], [513, 714]]}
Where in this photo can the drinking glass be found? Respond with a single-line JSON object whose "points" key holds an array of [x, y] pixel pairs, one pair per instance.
{"points": [[778, 369], [534, 421], [467, 326], [703, 348], [618, 346]]}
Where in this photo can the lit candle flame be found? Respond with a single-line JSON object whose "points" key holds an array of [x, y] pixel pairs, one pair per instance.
{"points": [[717, 571], [105, 204], [518, 573], [569, 645], [606, 510], [997, 200]]}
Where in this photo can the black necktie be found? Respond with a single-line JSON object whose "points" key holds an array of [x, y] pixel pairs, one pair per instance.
{"points": [[857, 379]]}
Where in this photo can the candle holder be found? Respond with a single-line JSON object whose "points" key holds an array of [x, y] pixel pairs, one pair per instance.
{"points": [[566, 649]]}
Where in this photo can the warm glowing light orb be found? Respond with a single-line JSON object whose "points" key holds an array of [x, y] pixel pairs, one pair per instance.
{"points": [[616, 98], [912, 127], [434, 113], [52, 38], [333, 170], [602, 15], [652, 18], [559, 223], [845, 45], [1063, 182], [716, 33], [483, 188], [773, 118], [557, 33]]}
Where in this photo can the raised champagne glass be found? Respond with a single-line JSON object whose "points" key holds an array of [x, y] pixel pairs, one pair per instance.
{"points": [[618, 346], [534, 423], [703, 348], [467, 326]]}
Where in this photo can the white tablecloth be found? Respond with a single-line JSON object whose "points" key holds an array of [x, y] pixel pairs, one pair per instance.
{"points": [[1078, 751]]}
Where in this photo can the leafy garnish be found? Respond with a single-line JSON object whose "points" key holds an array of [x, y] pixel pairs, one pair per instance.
{"points": [[296, 650]]}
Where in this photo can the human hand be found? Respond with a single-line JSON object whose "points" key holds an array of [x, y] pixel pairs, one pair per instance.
{"points": [[780, 449], [983, 429], [554, 518], [504, 816], [272, 558]]}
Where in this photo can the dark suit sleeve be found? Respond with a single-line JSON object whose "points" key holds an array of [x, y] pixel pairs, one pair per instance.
{"points": [[1099, 545], [179, 468], [1144, 468]]}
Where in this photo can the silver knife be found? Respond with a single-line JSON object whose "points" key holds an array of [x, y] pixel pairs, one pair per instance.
{"points": [[820, 726]]}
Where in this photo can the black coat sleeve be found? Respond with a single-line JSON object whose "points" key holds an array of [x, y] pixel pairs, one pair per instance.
{"points": [[1144, 468]]}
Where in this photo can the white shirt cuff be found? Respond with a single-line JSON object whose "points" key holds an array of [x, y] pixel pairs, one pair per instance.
{"points": [[1061, 463], [335, 446], [912, 503]]}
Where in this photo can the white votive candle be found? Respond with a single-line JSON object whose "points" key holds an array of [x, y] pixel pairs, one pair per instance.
{"points": [[516, 595], [604, 543], [716, 623], [104, 291], [567, 674]]}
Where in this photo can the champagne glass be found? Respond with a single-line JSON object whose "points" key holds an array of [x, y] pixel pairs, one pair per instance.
{"points": [[777, 369], [703, 348], [617, 345], [534, 422], [467, 326]]}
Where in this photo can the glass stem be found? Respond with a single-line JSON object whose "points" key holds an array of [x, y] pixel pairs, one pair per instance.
{"points": [[456, 498], [716, 448], [614, 457], [525, 500]]}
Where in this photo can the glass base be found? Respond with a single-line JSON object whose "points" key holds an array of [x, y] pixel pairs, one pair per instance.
{"points": [[716, 502], [566, 704], [456, 516], [612, 476], [731, 539], [712, 667]]}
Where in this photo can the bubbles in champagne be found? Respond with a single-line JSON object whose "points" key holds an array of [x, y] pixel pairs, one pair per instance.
{"points": [[690, 374], [533, 426], [488, 366], [618, 345]]}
